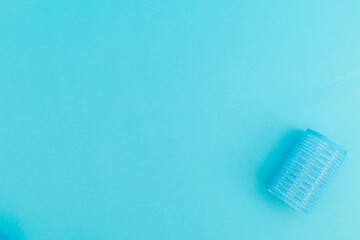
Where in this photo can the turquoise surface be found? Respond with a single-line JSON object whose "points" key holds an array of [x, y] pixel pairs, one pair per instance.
{"points": [[165, 119]]}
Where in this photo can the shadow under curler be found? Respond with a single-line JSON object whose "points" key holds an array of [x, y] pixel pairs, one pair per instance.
{"points": [[9, 229], [270, 165]]}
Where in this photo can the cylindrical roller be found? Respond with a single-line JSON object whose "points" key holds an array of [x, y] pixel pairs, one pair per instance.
{"points": [[307, 170]]}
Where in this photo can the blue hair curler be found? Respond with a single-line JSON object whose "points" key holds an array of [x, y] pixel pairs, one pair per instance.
{"points": [[307, 170]]}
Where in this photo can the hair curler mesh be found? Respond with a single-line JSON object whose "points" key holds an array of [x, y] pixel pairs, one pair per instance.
{"points": [[307, 170]]}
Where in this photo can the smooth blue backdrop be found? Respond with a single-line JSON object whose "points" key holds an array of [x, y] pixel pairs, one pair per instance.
{"points": [[164, 119]]}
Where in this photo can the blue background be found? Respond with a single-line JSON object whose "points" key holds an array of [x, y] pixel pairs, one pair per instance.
{"points": [[164, 119]]}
